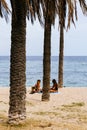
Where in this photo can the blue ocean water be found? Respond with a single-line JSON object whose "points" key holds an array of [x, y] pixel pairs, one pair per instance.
{"points": [[75, 70]]}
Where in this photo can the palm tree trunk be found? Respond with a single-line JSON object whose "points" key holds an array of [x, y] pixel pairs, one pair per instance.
{"points": [[17, 110], [46, 59], [61, 56]]}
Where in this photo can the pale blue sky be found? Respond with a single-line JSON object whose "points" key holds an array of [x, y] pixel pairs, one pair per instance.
{"points": [[75, 39]]}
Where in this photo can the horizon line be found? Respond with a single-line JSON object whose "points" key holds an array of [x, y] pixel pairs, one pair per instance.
{"points": [[42, 55]]}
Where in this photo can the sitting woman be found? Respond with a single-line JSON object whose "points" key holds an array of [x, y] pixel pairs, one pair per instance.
{"points": [[36, 88], [54, 87]]}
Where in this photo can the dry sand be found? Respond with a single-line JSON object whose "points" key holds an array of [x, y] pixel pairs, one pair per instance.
{"points": [[66, 110]]}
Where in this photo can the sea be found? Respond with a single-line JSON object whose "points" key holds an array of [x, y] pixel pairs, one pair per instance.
{"points": [[74, 75]]}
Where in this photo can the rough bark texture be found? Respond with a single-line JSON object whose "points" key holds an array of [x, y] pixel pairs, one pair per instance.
{"points": [[61, 49], [17, 110], [62, 16], [46, 59]]}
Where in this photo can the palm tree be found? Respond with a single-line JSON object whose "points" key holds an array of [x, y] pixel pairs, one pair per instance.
{"points": [[62, 6], [72, 9], [17, 110], [62, 15], [20, 9], [4, 10], [46, 56], [49, 10]]}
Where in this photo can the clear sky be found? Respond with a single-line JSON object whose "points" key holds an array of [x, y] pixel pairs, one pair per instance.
{"points": [[75, 39]]}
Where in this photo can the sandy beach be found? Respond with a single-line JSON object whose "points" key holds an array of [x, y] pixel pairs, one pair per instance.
{"points": [[66, 110]]}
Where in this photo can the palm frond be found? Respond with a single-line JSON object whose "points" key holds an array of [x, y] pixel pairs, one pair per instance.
{"points": [[71, 9], [83, 6], [49, 9], [34, 10], [62, 12], [4, 9]]}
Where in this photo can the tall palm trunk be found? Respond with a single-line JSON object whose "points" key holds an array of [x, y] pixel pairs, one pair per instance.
{"points": [[17, 110], [46, 59], [61, 56], [62, 16]]}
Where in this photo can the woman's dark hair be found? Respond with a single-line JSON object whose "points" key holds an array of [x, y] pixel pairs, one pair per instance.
{"points": [[54, 81], [39, 80]]}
